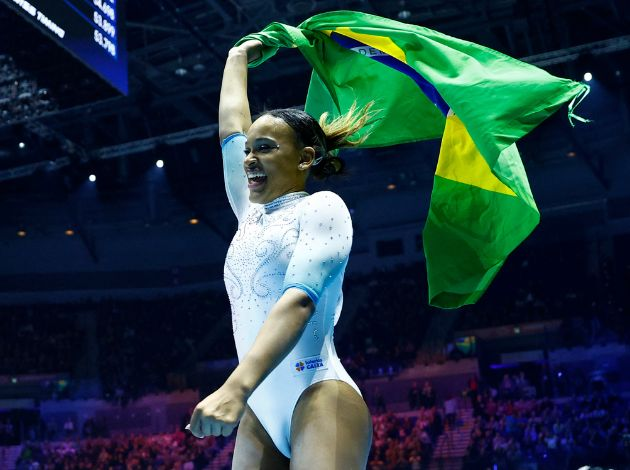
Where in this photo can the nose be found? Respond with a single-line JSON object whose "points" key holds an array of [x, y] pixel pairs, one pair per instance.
{"points": [[250, 160]]}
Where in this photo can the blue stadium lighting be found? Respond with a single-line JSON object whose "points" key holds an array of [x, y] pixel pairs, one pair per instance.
{"points": [[159, 163], [92, 178], [588, 76]]}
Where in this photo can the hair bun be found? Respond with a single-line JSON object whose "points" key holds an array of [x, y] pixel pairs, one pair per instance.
{"points": [[330, 166]]}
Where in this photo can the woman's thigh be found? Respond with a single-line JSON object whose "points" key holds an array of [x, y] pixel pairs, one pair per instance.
{"points": [[254, 449], [331, 428]]}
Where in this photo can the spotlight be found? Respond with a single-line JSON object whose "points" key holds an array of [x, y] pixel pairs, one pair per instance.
{"points": [[193, 221], [588, 76], [391, 186], [69, 232], [21, 233], [92, 178], [159, 163], [21, 145]]}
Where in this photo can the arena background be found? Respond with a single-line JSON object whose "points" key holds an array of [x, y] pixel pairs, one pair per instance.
{"points": [[113, 317]]}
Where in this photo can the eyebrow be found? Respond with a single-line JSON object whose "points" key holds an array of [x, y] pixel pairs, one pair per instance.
{"points": [[258, 139]]}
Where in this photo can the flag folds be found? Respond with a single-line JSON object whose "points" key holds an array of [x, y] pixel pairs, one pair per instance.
{"points": [[428, 85]]}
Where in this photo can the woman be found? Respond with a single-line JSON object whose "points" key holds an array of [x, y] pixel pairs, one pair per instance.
{"points": [[283, 272]]}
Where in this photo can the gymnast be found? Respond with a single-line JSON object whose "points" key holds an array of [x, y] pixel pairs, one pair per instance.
{"points": [[296, 404]]}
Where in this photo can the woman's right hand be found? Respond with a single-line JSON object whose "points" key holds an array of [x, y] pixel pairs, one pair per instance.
{"points": [[252, 48]]}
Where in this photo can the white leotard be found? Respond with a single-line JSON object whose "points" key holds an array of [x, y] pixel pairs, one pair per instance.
{"points": [[301, 241]]}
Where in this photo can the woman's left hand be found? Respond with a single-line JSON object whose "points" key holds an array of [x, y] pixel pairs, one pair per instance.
{"points": [[218, 413]]}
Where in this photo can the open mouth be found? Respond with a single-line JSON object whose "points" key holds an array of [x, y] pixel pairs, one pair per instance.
{"points": [[256, 179]]}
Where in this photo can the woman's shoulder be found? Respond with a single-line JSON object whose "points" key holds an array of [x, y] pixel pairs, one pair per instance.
{"points": [[325, 197], [323, 204]]}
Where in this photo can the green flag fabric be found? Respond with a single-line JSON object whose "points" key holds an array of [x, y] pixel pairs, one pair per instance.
{"points": [[428, 85]]}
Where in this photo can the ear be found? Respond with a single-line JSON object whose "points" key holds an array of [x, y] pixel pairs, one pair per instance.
{"points": [[306, 158]]}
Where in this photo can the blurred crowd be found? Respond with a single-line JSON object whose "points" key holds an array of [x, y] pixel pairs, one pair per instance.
{"points": [[142, 343], [405, 441], [177, 450], [42, 339], [509, 433], [145, 345], [20, 95], [388, 328], [557, 282]]}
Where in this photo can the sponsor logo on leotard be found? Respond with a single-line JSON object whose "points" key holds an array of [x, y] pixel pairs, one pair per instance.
{"points": [[311, 363]]}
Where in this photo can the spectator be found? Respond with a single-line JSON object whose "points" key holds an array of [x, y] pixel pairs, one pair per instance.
{"points": [[586, 430], [473, 389], [450, 411], [68, 427], [507, 386], [413, 396], [379, 401], [427, 400]]}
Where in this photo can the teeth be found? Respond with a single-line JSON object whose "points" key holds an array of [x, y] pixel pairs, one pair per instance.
{"points": [[255, 174]]}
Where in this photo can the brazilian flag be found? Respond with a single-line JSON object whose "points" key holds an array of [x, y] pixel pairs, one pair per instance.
{"points": [[428, 85]]}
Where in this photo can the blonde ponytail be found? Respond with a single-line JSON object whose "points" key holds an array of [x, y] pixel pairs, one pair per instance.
{"points": [[340, 130]]}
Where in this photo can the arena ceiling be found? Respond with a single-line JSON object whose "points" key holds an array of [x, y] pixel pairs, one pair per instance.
{"points": [[177, 50], [176, 56]]}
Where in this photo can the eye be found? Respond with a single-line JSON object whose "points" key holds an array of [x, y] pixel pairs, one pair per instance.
{"points": [[264, 148], [247, 150]]}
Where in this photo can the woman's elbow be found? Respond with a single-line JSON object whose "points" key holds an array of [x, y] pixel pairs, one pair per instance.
{"points": [[300, 300]]}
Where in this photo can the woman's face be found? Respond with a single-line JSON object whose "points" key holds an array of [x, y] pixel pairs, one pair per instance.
{"points": [[275, 163]]}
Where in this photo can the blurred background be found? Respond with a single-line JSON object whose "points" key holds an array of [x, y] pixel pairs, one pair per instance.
{"points": [[114, 226]]}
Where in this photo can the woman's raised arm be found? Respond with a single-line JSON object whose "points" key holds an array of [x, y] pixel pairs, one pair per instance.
{"points": [[234, 120], [234, 114]]}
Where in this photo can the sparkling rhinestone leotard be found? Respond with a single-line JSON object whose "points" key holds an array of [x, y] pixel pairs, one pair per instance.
{"points": [[301, 241]]}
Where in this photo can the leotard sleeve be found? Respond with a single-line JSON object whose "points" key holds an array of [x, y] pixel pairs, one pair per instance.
{"points": [[233, 150], [323, 244]]}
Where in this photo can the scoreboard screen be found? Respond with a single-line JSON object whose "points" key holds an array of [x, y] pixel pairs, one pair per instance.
{"points": [[92, 30]]}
